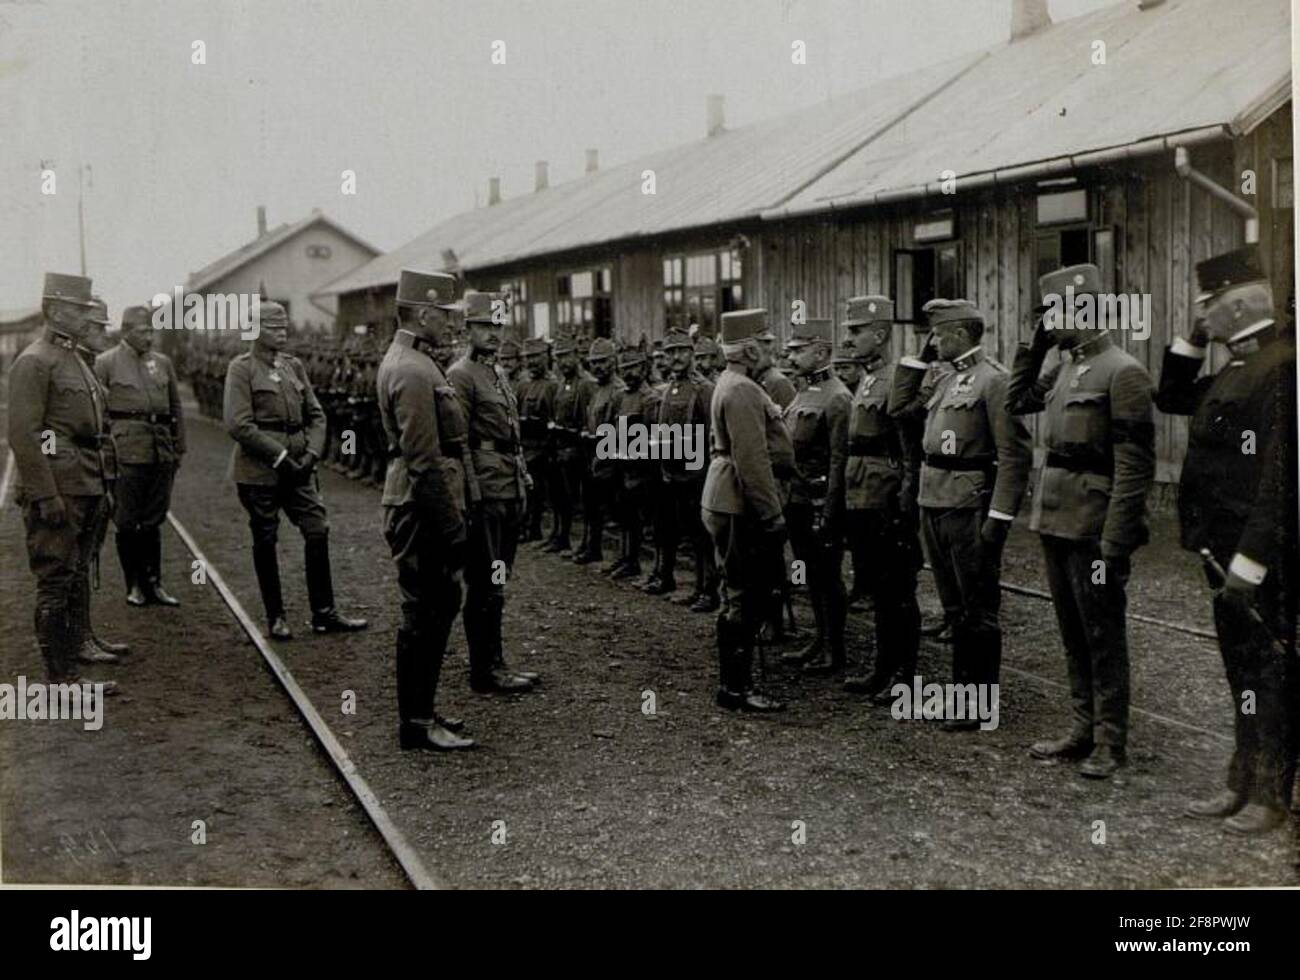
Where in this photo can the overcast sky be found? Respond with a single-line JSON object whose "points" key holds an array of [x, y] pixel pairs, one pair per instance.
{"points": [[404, 93]]}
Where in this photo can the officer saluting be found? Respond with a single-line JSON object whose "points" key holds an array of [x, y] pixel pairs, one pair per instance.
{"points": [[279, 428], [424, 501], [1237, 498], [1090, 506], [973, 477], [496, 494], [144, 407], [818, 421], [880, 503], [55, 431], [741, 506]]}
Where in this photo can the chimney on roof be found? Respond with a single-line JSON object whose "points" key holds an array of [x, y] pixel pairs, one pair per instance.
{"points": [[540, 182], [1028, 17], [1148, 4], [715, 114], [593, 161], [494, 191], [261, 220]]}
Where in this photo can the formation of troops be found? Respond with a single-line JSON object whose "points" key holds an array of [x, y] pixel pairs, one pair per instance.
{"points": [[824, 449]]}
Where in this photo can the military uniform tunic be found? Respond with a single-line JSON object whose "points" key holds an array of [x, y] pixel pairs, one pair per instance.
{"points": [[144, 408], [55, 403], [1241, 505], [1100, 440], [975, 463]]}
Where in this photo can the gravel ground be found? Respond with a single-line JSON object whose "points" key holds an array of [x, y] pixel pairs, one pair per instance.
{"points": [[575, 785]]}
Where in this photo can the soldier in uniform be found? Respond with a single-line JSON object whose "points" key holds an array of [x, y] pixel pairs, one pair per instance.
{"points": [[685, 402], [144, 406], [1237, 499], [706, 358], [598, 495], [658, 364], [818, 422], [1090, 508], [56, 426], [509, 361], [741, 506], [279, 429], [424, 502], [496, 493], [536, 394], [633, 409], [95, 650], [572, 394], [881, 526], [847, 366], [976, 467]]}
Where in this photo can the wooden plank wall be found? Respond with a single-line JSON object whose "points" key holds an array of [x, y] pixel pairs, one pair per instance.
{"points": [[1162, 228]]}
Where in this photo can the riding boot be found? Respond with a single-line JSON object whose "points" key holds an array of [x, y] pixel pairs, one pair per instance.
{"points": [[267, 566], [320, 581], [150, 539]]}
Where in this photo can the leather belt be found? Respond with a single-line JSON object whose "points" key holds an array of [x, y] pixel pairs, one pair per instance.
{"points": [[505, 447], [1080, 464], [961, 464], [89, 442], [872, 446], [288, 428], [141, 416]]}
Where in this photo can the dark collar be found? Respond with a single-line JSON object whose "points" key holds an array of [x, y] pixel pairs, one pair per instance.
{"points": [[969, 359], [1090, 347]]}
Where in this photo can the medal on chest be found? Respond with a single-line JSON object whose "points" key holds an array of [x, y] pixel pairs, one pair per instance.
{"points": [[1078, 375]]}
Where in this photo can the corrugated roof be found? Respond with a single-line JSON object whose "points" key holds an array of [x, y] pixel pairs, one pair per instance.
{"points": [[1181, 66], [231, 261]]}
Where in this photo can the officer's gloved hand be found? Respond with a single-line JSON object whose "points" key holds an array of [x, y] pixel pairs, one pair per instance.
{"points": [[929, 351], [51, 511], [308, 463], [1197, 336], [1042, 340], [994, 531], [1116, 556], [291, 471]]}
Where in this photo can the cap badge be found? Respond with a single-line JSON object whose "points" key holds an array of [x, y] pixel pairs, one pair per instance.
{"points": [[1078, 279]]}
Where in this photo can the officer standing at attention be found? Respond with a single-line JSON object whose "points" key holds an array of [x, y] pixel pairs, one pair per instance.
{"points": [[881, 525], [599, 494], [685, 402], [741, 505], [278, 426], [495, 493], [973, 479], [1090, 508], [572, 393], [818, 422], [144, 406], [56, 426], [536, 394], [95, 650], [1237, 498], [424, 502]]}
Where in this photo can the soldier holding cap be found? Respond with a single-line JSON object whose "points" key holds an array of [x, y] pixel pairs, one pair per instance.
{"points": [[56, 426], [424, 501], [818, 421], [278, 426], [572, 394], [599, 495], [741, 506], [1090, 508], [536, 394], [144, 407], [685, 403], [880, 523], [496, 490], [1237, 499], [973, 477]]}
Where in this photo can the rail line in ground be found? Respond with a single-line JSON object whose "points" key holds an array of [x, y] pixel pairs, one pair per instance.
{"points": [[407, 857]]}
